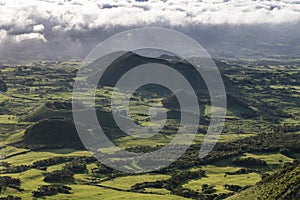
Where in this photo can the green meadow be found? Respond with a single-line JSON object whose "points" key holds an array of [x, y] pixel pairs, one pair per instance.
{"points": [[40, 151]]}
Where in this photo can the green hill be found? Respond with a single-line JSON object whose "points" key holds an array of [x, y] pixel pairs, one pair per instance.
{"points": [[284, 185], [237, 106], [129, 60], [50, 110], [52, 133], [54, 126]]}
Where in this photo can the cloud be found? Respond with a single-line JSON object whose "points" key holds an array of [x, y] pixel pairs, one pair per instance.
{"points": [[79, 24], [38, 28], [30, 36]]}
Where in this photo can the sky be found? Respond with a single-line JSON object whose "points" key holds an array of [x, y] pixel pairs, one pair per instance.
{"points": [[63, 29]]}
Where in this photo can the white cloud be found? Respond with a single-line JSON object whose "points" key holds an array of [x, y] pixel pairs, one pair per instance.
{"points": [[30, 36], [3, 35], [38, 28], [92, 13], [67, 20]]}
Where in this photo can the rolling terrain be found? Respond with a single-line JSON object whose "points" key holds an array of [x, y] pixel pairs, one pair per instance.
{"points": [[256, 155]]}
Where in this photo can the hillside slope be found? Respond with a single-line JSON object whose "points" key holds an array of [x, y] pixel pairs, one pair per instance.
{"points": [[284, 184], [53, 133], [50, 110]]}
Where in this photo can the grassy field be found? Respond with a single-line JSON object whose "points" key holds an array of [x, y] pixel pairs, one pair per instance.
{"points": [[30, 157], [93, 192], [261, 100], [161, 139], [126, 182], [215, 175], [274, 160], [33, 179]]}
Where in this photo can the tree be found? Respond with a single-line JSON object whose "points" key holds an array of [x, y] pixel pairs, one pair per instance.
{"points": [[77, 166], [3, 86], [7, 181], [48, 190], [59, 176]]}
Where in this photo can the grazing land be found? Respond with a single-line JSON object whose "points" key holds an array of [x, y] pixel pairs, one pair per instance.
{"points": [[42, 156]]}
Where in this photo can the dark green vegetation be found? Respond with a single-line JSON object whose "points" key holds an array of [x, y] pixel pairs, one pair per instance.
{"points": [[284, 184], [3, 86], [249, 162], [50, 110], [42, 155], [53, 133], [7, 181], [48, 190], [130, 60]]}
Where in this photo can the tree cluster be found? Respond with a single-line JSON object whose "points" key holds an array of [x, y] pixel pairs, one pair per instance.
{"points": [[48, 190], [249, 162], [76, 166], [7, 181], [59, 176], [10, 197]]}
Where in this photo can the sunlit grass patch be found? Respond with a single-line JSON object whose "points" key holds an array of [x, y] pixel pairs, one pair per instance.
{"points": [[272, 159], [8, 119], [30, 157], [126, 182], [215, 175]]}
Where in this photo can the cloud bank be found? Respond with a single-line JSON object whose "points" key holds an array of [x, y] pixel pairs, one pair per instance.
{"points": [[70, 28]]}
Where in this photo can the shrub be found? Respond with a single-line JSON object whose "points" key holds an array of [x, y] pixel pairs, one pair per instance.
{"points": [[208, 189], [251, 162], [10, 197], [3, 86], [7, 181], [48, 190], [234, 188], [76, 166], [59, 176], [102, 169], [243, 171], [16, 169]]}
